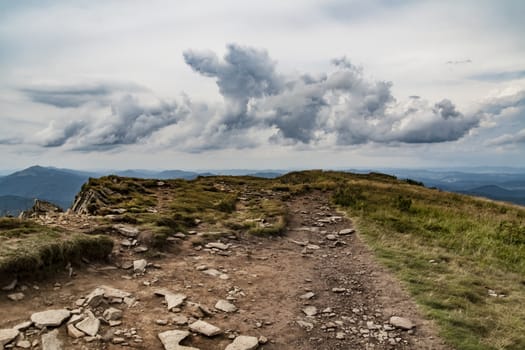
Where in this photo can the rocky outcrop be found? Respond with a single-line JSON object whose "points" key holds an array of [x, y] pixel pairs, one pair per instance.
{"points": [[89, 201], [40, 207]]}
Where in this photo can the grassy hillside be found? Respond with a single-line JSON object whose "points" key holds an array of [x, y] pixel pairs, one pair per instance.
{"points": [[462, 258]]}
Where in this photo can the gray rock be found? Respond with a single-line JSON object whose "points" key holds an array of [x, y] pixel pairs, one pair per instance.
{"points": [[205, 328], [11, 286], [16, 296], [50, 341], [114, 293], [243, 342], [7, 335], [90, 325], [127, 230], [171, 340], [401, 322], [24, 344], [225, 306], [331, 237], [139, 266], [174, 300], [50, 318], [307, 296], [212, 272], [346, 231], [338, 290], [179, 320], [217, 245], [23, 326], [310, 310], [73, 331], [306, 325], [112, 314]]}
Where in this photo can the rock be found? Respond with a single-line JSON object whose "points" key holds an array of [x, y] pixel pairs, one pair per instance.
{"points": [[7, 335], [127, 230], [50, 318], [95, 297], [338, 290], [217, 245], [11, 286], [161, 322], [73, 331], [139, 266], [306, 325], [243, 342], [262, 340], [225, 306], [112, 314], [310, 310], [16, 296], [401, 322], [205, 328], [23, 326], [174, 300], [313, 247], [179, 320], [50, 341], [307, 296], [346, 231], [113, 293], [331, 237], [212, 272], [339, 335], [90, 325], [24, 344], [171, 340]]}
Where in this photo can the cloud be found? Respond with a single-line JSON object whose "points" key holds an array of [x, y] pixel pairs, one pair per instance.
{"points": [[498, 76], [509, 139], [72, 96], [340, 107], [460, 61]]}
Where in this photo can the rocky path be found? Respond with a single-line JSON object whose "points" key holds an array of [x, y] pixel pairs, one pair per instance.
{"points": [[316, 287]]}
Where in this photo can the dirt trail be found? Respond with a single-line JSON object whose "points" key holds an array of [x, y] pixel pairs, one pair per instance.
{"points": [[265, 278]]}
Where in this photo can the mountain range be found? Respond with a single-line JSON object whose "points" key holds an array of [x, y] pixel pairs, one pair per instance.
{"points": [[18, 190]]}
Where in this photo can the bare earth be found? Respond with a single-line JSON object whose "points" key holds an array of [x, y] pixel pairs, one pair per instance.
{"points": [[266, 279]]}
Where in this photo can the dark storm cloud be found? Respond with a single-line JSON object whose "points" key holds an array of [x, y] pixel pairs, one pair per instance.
{"points": [[72, 96], [498, 76], [243, 74]]}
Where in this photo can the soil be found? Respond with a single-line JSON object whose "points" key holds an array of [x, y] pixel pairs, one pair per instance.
{"points": [[266, 277]]}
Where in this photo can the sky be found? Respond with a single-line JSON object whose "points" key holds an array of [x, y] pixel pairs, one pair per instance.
{"points": [[107, 84]]}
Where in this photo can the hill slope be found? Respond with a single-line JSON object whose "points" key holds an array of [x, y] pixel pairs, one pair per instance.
{"points": [[53, 185]]}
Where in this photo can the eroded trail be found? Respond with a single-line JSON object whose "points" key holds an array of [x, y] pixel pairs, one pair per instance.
{"points": [[316, 287]]}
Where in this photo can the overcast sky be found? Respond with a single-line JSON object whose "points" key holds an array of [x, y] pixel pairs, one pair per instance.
{"points": [[262, 84]]}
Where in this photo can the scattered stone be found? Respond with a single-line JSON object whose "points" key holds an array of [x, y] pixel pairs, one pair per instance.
{"points": [[340, 335], [310, 310], [225, 306], [50, 318], [243, 342], [112, 314], [205, 328], [73, 331], [307, 296], [313, 247], [401, 322], [212, 272], [139, 266], [7, 336], [11, 286], [140, 249], [50, 341], [217, 245], [306, 325], [346, 231], [338, 290], [24, 344], [95, 297], [179, 320], [173, 300], [171, 340], [127, 230], [331, 237], [263, 340], [118, 340], [16, 296], [161, 322], [90, 325], [23, 326]]}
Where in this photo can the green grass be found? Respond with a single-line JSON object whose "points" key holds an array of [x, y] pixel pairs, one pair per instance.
{"points": [[32, 250], [449, 250]]}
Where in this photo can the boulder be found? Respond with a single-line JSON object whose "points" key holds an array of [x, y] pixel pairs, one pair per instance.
{"points": [[50, 318]]}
